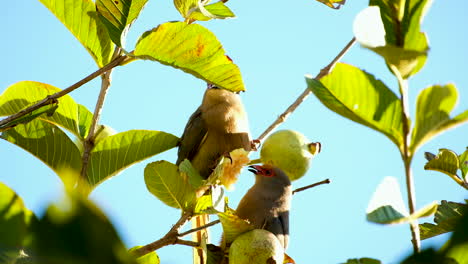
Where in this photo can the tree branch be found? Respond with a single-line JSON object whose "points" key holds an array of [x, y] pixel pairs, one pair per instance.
{"points": [[88, 143], [407, 157], [326, 181], [325, 71], [199, 228], [170, 238], [52, 98]]}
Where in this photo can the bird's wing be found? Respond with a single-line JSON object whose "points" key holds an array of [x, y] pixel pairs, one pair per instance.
{"points": [[194, 134], [279, 226]]}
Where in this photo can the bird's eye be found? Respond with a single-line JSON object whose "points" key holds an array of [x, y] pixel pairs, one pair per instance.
{"points": [[268, 173]]}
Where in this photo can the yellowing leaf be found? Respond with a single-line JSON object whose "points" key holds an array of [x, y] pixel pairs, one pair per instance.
{"points": [[335, 4], [193, 49]]}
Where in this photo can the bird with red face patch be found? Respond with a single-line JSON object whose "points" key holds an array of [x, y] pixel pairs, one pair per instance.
{"points": [[267, 203]]}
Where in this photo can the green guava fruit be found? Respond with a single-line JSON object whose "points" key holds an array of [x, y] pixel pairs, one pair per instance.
{"points": [[256, 247], [290, 151]]}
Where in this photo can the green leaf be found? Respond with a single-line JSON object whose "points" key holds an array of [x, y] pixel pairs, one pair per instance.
{"points": [[195, 179], [433, 108], [193, 49], [358, 96], [15, 222], [387, 206], [463, 159], [233, 226], [406, 47], [76, 231], [217, 10], [118, 16], [69, 115], [212, 203], [164, 181], [428, 256], [446, 162], [115, 153], [184, 6], [406, 61], [47, 143], [47, 109], [81, 18], [363, 261], [446, 218], [151, 258]]}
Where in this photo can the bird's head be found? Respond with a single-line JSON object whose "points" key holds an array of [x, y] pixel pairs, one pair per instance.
{"points": [[269, 174]]}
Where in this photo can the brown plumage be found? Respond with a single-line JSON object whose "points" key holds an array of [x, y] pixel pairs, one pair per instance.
{"points": [[266, 205], [216, 128]]}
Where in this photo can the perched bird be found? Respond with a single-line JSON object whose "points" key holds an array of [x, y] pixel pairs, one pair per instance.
{"points": [[266, 205], [217, 127]]}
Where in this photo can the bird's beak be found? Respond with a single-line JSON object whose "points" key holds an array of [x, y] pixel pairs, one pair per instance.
{"points": [[255, 169]]}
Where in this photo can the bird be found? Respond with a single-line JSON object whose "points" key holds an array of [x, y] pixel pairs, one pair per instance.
{"points": [[267, 203], [218, 126]]}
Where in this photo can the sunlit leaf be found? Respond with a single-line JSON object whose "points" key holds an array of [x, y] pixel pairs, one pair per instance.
{"points": [[406, 61], [358, 96], [217, 10], [363, 261], [387, 206], [433, 109], [81, 18], [335, 4], [115, 153], [463, 159], [446, 162], [193, 49], [118, 15], [47, 143], [211, 203], [406, 47], [446, 218], [76, 231], [69, 115], [184, 6], [233, 226], [164, 181], [151, 258], [15, 222], [388, 215], [44, 110], [195, 179]]}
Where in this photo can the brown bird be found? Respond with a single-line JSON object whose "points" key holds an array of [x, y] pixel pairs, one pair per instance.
{"points": [[266, 205], [217, 127]]}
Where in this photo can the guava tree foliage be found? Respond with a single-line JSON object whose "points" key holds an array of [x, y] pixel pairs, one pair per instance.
{"points": [[45, 121]]}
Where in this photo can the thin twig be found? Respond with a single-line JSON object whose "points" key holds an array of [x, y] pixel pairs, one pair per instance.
{"points": [[281, 118], [53, 97], [169, 239], [199, 228], [187, 243], [326, 181], [88, 143]]}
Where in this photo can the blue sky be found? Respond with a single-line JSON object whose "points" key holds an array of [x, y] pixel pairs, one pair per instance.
{"points": [[275, 44]]}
